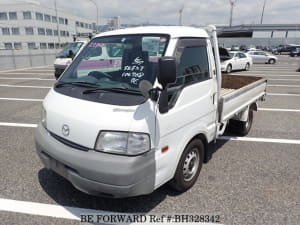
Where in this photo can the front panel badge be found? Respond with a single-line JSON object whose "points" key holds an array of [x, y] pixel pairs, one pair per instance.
{"points": [[65, 130]]}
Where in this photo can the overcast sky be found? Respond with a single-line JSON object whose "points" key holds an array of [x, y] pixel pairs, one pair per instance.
{"points": [[197, 12]]}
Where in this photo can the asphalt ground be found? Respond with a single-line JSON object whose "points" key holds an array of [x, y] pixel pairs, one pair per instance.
{"points": [[245, 182]]}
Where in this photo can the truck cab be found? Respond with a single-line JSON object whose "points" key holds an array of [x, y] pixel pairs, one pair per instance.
{"points": [[123, 123]]}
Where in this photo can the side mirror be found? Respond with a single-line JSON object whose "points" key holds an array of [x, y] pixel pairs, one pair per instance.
{"points": [[166, 71], [166, 75]]}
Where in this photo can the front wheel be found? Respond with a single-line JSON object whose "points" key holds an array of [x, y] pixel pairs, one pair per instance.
{"points": [[271, 61], [228, 69], [189, 166]]}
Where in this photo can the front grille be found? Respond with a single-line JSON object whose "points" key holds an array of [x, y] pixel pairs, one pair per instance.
{"points": [[69, 143]]}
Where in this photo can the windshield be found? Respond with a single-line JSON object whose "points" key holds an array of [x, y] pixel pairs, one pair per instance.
{"points": [[118, 61], [70, 50], [231, 54]]}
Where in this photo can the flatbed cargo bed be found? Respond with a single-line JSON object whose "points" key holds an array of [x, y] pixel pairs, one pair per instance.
{"points": [[238, 92]]}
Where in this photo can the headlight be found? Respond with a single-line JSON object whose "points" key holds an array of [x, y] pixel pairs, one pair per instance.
{"points": [[44, 118], [126, 143]]}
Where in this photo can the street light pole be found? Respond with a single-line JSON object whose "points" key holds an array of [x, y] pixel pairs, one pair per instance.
{"points": [[180, 15], [262, 13], [232, 2], [57, 25], [97, 13]]}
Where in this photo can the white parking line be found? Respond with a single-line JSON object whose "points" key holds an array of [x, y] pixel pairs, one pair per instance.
{"points": [[284, 79], [264, 75], [27, 68], [267, 140], [282, 85], [66, 212], [43, 209], [44, 70], [26, 78], [38, 74], [22, 86], [22, 99], [35, 71], [29, 125], [278, 110], [280, 94], [274, 66]]}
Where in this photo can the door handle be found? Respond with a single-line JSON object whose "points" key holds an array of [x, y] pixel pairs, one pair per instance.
{"points": [[213, 96]]}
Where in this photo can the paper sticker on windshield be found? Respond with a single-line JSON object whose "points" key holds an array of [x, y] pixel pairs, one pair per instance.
{"points": [[151, 44], [94, 45]]}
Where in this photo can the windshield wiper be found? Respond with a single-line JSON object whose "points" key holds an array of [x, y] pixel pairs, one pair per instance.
{"points": [[117, 90], [78, 83]]}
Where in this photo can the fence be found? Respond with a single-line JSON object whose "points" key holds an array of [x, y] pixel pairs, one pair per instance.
{"points": [[14, 59]]}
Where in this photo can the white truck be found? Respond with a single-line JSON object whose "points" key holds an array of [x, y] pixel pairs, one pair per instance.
{"points": [[66, 56], [125, 125]]}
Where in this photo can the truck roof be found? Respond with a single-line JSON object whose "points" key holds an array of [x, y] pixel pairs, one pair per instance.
{"points": [[173, 31]]}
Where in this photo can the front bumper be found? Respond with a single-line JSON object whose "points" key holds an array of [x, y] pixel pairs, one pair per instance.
{"points": [[97, 173]]}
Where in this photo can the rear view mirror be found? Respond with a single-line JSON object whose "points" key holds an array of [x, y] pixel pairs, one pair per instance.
{"points": [[166, 71]]}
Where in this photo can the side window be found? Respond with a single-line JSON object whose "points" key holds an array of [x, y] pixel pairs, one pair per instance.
{"points": [[192, 64], [242, 55]]}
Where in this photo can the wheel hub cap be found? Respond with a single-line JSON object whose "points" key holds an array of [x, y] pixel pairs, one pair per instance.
{"points": [[191, 164]]}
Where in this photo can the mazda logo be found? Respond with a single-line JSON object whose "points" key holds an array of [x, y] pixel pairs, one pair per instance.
{"points": [[65, 130]]}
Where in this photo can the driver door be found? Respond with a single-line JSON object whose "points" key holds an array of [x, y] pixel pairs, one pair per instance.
{"points": [[192, 104]]}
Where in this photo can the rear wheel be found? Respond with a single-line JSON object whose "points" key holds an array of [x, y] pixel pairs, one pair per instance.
{"points": [[240, 127], [229, 68], [247, 67], [271, 61], [189, 166]]}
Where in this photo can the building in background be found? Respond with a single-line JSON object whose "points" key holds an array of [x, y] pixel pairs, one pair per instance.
{"points": [[33, 26], [114, 23]]}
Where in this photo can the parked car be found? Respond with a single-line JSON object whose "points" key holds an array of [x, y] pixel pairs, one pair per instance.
{"points": [[285, 49], [243, 48], [295, 52], [235, 61], [252, 49], [235, 48], [262, 57], [66, 56]]}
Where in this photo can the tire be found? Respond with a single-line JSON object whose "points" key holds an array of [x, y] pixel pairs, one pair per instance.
{"points": [[272, 61], [189, 166], [247, 67], [241, 128], [229, 68]]}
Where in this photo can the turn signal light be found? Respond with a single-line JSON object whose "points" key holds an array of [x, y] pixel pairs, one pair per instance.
{"points": [[165, 149]]}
